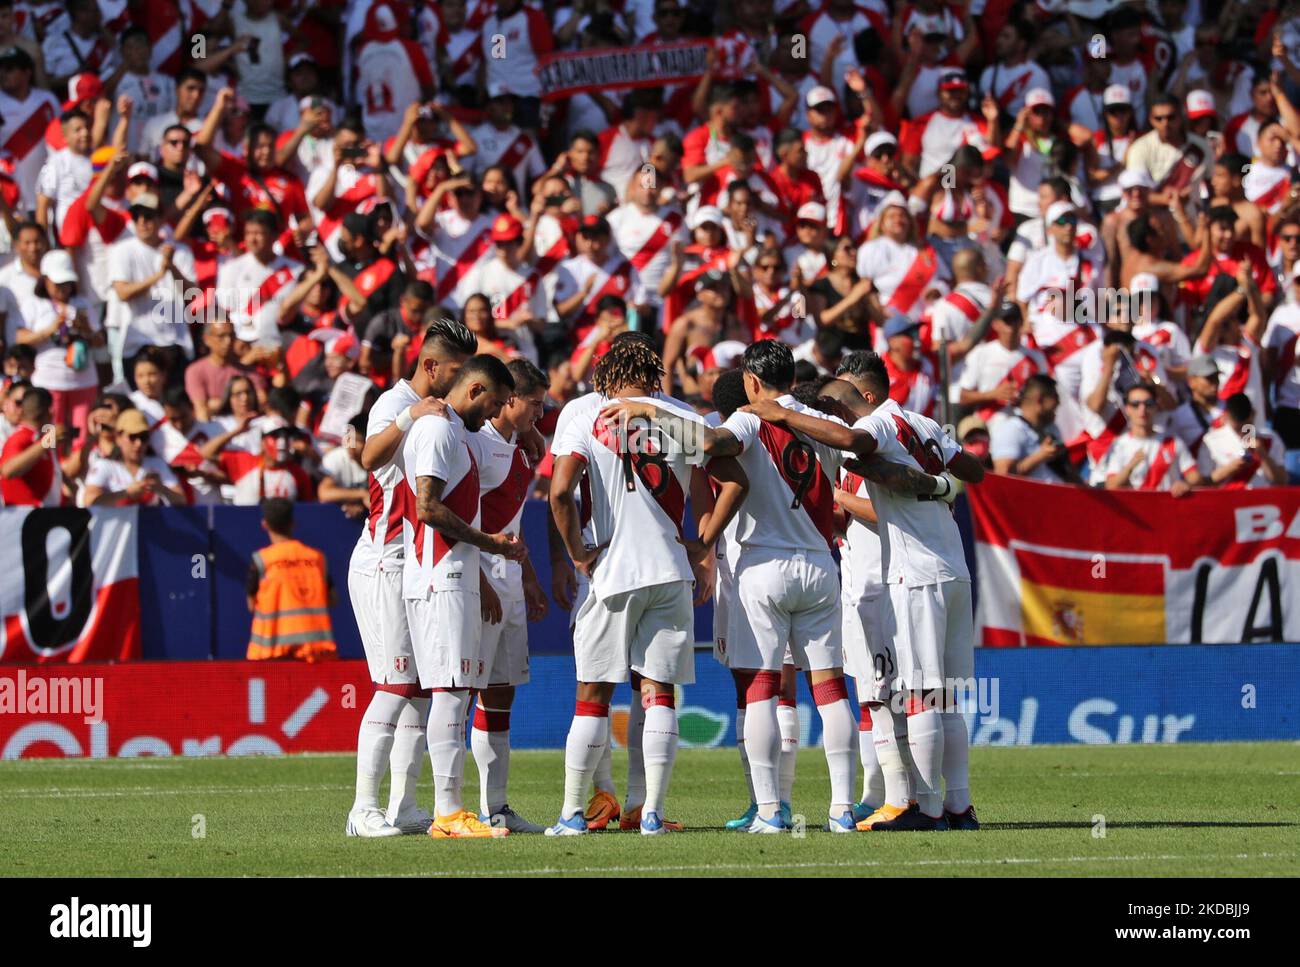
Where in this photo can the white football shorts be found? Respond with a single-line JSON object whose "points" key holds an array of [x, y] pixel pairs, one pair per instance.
{"points": [[445, 633], [648, 630], [869, 648], [381, 619], [504, 646], [789, 611], [934, 634]]}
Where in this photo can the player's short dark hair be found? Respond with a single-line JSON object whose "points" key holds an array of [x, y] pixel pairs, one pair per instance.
{"points": [[36, 400], [358, 424], [804, 372], [189, 136], [30, 225], [264, 217], [175, 396], [1167, 100], [771, 362], [451, 337], [809, 393], [729, 392], [1239, 407], [485, 368], [528, 378], [277, 514], [1042, 383], [867, 367]]}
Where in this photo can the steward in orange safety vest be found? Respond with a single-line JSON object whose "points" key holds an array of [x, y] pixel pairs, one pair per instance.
{"points": [[289, 593]]}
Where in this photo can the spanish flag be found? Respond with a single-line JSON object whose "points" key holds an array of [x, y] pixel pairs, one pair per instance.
{"points": [[1093, 599]]}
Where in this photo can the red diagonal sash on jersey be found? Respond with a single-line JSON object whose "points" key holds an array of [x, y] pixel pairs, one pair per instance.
{"points": [[266, 292], [1160, 465], [1239, 377], [463, 502], [526, 288], [1014, 89], [468, 59], [466, 261], [657, 240], [1276, 191], [396, 510], [371, 279], [616, 284], [925, 454], [1065, 347], [799, 467], [1017, 375], [514, 154], [918, 276], [29, 134], [1250, 464], [499, 506], [344, 204], [645, 462]]}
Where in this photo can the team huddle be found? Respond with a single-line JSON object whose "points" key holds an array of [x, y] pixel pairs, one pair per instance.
{"points": [[443, 588]]}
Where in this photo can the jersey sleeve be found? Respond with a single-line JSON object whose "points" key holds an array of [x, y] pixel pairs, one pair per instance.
{"points": [[744, 427], [434, 444], [572, 440], [382, 415]]}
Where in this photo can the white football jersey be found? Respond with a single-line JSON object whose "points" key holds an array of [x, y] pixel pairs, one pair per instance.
{"points": [[791, 499], [638, 497], [504, 478], [862, 556], [379, 548], [438, 447], [921, 541]]}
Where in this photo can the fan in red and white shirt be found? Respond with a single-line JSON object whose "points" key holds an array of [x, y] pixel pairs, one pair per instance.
{"points": [[1268, 182], [625, 147], [1141, 459], [27, 112], [392, 72], [343, 185], [831, 31], [177, 441], [79, 44], [97, 219], [912, 381], [832, 152], [599, 269], [170, 24], [253, 288], [525, 32], [134, 477], [644, 232], [1236, 455], [903, 272], [451, 242], [512, 285], [806, 252], [1241, 133], [994, 373], [502, 144], [949, 319], [1167, 339], [452, 42], [930, 140], [1013, 74], [274, 471]]}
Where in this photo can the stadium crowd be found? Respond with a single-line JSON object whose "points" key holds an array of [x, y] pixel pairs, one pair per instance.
{"points": [[1070, 227]]}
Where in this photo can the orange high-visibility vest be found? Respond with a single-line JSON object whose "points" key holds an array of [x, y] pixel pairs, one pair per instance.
{"points": [[291, 611]]}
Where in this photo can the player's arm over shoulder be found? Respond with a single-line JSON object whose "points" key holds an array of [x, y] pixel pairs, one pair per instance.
{"points": [[956, 461]]}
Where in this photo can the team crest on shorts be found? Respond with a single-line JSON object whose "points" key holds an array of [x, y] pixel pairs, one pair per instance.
{"points": [[399, 663], [722, 645], [464, 666]]}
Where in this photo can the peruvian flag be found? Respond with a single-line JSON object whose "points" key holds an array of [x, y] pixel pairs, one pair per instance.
{"points": [[69, 585]]}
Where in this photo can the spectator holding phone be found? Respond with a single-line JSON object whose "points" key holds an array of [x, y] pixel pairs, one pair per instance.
{"points": [[133, 476], [1025, 442]]}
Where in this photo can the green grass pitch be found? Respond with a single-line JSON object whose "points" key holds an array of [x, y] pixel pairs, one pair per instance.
{"points": [[1168, 810]]}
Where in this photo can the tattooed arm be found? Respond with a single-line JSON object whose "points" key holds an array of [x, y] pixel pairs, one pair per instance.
{"points": [[434, 513], [906, 481], [689, 435]]}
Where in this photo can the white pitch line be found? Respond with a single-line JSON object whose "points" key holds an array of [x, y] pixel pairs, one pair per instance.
{"points": [[847, 865], [151, 791]]}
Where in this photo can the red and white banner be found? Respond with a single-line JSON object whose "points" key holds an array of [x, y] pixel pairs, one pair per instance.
{"points": [[69, 585], [1062, 565], [621, 68], [181, 708]]}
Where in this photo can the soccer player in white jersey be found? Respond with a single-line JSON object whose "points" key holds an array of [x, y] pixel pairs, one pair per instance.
{"points": [[392, 729], [441, 576], [929, 590], [729, 396], [637, 615], [787, 588], [511, 587]]}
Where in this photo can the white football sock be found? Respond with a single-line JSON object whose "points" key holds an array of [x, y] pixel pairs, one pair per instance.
{"points": [[490, 743], [787, 720], [744, 756], [873, 777], [925, 739], [889, 747], [636, 769], [374, 743], [588, 739], [407, 758], [956, 763], [603, 779], [839, 726], [660, 747], [447, 712], [763, 740]]}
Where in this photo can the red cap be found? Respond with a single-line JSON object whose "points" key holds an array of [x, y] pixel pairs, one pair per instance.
{"points": [[507, 228], [423, 165], [83, 88]]}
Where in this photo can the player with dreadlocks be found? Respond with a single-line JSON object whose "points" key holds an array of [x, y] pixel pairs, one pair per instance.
{"points": [[637, 617]]}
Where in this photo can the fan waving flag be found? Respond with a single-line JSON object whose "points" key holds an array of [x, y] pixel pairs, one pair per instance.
{"points": [[1061, 565], [69, 585]]}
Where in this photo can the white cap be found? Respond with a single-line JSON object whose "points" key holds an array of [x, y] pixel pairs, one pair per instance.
{"points": [[820, 95], [218, 212], [878, 140], [145, 200], [142, 169], [1116, 94], [1057, 209], [727, 352], [705, 215], [1143, 282], [1040, 97], [894, 199], [305, 103], [1200, 104], [56, 265], [1131, 178], [300, 58], [385, 19], [812, 211]]}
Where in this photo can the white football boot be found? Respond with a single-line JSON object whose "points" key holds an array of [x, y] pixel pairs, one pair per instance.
{"points": [[369, 823]]}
